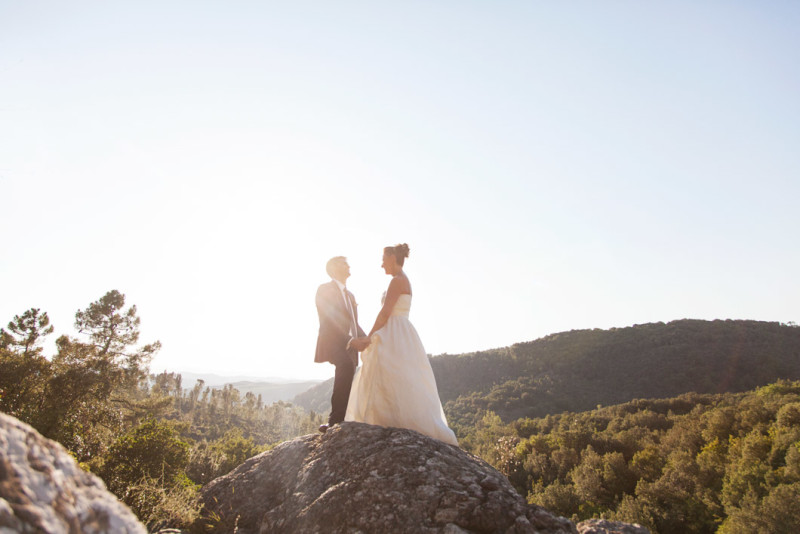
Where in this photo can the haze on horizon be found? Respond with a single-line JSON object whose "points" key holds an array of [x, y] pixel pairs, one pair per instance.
{"points": [[553, 166]]}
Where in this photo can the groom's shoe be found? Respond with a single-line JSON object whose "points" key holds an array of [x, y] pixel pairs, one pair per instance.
{"points": [[324, 428]]}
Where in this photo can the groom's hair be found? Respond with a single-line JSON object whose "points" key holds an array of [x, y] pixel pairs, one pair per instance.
{"points": [[330, 267]]}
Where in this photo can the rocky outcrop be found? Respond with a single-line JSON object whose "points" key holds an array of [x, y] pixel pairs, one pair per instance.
{"points": [[364, 478], [355, 478], [42, 489], [603, 526]]}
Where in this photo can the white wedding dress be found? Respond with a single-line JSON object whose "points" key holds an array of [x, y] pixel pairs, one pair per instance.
{"points": [[395, 386]]}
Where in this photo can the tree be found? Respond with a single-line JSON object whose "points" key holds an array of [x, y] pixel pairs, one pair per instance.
{"points": [[776, 513], [27, 332], [22, 381], [24, 371], [112, 331], [81, 405]]}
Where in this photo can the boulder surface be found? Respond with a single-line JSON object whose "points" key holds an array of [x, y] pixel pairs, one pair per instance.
{"points": [[603, 526], [364, 478], [42, 489]]}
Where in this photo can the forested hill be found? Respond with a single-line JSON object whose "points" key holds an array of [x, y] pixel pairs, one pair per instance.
{"points": [[692, 464], [580, 369]]}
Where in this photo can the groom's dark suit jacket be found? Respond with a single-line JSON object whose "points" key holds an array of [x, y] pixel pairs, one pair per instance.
{"points": [[334, 326]]}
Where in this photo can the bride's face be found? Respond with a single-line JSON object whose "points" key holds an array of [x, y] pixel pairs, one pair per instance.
{"points": [[389, 263]]}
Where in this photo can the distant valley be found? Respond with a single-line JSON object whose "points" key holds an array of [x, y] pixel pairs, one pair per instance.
{"points": [[581, 369], [271, 389]]}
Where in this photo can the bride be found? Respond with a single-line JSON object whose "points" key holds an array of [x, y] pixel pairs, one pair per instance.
{"points": [[395, 386]]}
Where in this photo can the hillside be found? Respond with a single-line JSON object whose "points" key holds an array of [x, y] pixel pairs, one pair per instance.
{"points": [[316, 399], [580, 369], [696, 463]]}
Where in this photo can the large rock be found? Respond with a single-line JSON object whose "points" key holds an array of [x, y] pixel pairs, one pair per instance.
{"points": [[42, 489], [603, 526], [364, 478]]}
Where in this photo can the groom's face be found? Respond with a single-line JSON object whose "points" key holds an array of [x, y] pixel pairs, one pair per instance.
{"points": [[342, 271]]}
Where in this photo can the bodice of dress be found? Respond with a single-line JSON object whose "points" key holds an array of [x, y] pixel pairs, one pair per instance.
{"points": [[402, 306]]}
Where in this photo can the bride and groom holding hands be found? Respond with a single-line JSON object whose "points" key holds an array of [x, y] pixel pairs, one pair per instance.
{"points": [[395, 386]]}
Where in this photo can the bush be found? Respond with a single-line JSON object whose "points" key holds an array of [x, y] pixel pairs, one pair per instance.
{"points": [[160, 504], [235, 449], [153, 450]]}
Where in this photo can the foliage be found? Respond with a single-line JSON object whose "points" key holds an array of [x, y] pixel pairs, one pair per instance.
{"points": [[163, 504], [577, 370], [235, 449], [112, 330], [776, 513], [27, 331], [151, 450], [693, 463], [151, 439], [22, 381], [317, 398], [72, 396], [696, 462], [580, 369]]}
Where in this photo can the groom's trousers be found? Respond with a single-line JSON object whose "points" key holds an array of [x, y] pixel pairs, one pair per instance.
{"points": [[342, 382]]}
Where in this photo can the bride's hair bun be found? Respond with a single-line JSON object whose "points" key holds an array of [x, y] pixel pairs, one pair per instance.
{"points": [[400, 253]]}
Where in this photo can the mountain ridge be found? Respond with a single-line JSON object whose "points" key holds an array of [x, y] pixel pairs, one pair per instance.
{"points": [[271, 390], [215, 379], [579, 369]]}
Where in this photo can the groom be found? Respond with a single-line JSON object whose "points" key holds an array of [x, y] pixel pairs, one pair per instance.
{"points": [[338, 325]]}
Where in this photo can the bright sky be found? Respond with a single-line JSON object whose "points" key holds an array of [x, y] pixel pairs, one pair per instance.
{"points": [[552, 165]]}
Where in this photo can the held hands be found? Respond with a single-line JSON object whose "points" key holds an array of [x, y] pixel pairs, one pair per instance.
{"points": [[359, 343]]}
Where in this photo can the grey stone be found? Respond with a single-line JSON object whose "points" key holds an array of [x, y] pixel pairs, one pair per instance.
{"points": [[364, 478], [604, 526], [42, 489]]}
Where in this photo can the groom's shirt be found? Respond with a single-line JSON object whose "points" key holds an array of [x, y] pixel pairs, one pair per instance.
{"points": [[347, 306], [342, 290]]}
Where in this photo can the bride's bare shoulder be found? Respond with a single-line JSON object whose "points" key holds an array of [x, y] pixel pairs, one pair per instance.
{"points": [[401, 283]]}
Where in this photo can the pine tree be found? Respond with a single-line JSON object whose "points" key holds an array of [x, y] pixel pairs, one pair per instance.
{"points": [[26, 332]]}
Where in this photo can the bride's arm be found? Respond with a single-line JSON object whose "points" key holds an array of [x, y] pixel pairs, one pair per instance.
{"points": [[392, 294]]}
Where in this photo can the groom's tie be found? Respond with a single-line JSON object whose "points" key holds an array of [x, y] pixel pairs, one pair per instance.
{"points": [[353, 327]]}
